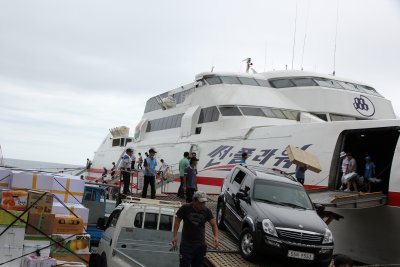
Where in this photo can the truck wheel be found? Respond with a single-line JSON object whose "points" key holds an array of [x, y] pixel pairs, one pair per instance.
{"points": [[247, 245], [220, 217]]}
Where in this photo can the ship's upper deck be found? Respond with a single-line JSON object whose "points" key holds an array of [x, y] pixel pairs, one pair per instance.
{"points": [[326, 96]]}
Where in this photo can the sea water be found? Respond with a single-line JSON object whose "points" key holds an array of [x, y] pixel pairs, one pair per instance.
{"points": [[42, 166]]}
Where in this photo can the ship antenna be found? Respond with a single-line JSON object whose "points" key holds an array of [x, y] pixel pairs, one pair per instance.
{"points": [[305, 34], [294, 35], [334, 51], [265, 55], [248, 64]]}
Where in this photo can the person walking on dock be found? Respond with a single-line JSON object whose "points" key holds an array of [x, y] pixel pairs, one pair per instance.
{"points": [[112, 171], [193, 244], [190, 180], [300, 173], [126, 169], [244, 158], [150, 164], [183, 164]]}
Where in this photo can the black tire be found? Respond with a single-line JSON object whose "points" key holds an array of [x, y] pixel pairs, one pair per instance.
{"points": [[220, 217], [247, 245]]}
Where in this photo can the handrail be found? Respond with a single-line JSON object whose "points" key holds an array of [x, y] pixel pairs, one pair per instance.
{"points": [[154, 202]]}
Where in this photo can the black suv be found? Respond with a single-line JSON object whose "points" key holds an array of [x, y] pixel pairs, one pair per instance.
{"points": [[270, 211]]}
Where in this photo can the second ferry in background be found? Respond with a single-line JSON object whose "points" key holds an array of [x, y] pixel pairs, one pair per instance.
{"points": [[220, 115]]}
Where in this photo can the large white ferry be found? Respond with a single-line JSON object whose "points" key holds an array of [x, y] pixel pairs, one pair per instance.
{"points": [[220, 115]]}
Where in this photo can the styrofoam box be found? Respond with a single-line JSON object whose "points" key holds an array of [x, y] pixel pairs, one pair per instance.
{"points": [[31, 180], [35, 261], [5, 178], [13, 237], [9, 253], [78, 209], [31, 246], [68, 188]]}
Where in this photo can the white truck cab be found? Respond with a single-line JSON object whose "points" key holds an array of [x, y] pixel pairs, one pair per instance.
{"points": [[138, 233]]}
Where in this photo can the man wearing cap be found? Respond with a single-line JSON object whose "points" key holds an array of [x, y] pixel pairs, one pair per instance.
{"points": [[150, 164], [126, 169], [193, 244]]}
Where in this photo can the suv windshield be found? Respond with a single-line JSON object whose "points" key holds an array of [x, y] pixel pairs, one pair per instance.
{"points": [[281, 194]]}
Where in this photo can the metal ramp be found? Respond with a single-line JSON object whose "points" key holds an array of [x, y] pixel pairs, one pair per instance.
{"points": [[347, 200]]}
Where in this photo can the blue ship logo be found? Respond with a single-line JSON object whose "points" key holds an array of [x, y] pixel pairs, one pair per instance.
{"points": [[364, 106]]}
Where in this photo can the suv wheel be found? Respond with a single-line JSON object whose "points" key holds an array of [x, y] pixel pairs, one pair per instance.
{"points": [[220, 217], [248, 244]]}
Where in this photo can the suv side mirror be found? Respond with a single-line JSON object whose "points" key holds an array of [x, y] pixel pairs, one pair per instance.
{"points": [[242, 195], [101, 223], [319, 207]]}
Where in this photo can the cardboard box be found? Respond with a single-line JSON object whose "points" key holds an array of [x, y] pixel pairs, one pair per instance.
{"points": [[10, 253], [69, 257], [32, 243], [7, 219], [31, 180], [68, 189], [13, 237], [36, 261], [78, 209], [67, 224], [14, 200], [42, 221], [43, 205], [5, 178], [78, 243], [303, 158]]}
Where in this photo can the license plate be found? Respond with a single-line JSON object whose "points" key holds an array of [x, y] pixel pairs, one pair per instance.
{"points": [[300, 255]]}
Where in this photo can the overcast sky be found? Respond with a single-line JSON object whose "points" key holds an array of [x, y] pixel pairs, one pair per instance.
{"points": [[71, 70]]}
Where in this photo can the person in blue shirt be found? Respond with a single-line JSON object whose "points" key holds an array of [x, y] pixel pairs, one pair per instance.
{"points": [[243, 160], [150, 164], [369, 171], [300, 173], [126, 170], [190, 179]]}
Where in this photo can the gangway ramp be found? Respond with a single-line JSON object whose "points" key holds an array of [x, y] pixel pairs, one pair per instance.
{"points": [[347, 200]]}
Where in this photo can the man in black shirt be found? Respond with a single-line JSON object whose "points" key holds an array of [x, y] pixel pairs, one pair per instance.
{"points": [[193, 244]]}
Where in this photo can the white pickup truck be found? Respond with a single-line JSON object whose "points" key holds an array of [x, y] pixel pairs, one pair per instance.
{"points": [[138, 233]]}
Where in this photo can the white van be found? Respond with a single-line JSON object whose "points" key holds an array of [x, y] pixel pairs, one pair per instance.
{"points": [[138, 233]]}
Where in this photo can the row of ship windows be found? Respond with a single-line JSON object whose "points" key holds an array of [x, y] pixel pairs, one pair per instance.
{"points": [[317, 81], [211, 114]]}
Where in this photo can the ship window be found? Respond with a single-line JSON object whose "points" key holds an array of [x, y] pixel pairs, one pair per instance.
{"points": [[278, 113], [263, 83], [268, 112], [230, 79], [348, 86], [248, 81], [169, 122], [209, 114], [282, 83], [248, 111], [327, 83], [289, 114], [304, 82], [322, 116], [116, 142], [179, 120], [213, 80], [148, 128], [341, 118], [230, 111], [295, 114]]}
